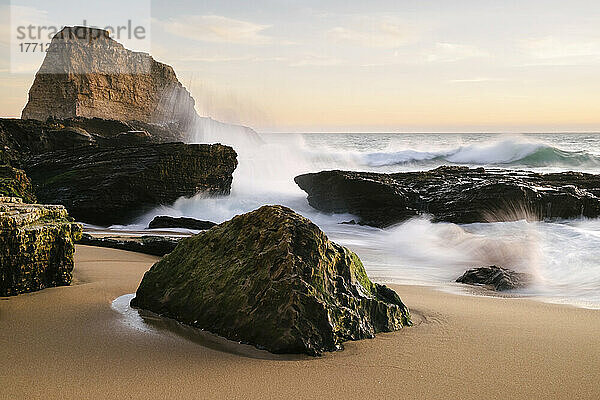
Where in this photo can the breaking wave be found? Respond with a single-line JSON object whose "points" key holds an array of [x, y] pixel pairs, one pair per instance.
{"points": [[512, 152]]}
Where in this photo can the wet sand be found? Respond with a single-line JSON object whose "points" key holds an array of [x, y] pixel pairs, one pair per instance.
{"points": [[70, 343]]}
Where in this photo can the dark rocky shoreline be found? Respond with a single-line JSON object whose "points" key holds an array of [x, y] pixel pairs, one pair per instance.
{"points": [[453, 194]]}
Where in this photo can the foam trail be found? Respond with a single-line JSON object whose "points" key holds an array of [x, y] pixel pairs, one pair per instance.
{"points": [[562, 257]]}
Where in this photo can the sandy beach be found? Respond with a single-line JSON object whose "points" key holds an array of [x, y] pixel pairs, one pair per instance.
{"points": [[69, 342]]}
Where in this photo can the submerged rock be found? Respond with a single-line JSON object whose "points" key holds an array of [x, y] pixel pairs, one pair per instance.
{"points": [[36, 246], [453, 194], [163, 221], [147, 244], [271, 278], [106, 186], [496, 278]]}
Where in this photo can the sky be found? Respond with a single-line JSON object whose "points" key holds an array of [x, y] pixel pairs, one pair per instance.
{"points": [[369, 66]]}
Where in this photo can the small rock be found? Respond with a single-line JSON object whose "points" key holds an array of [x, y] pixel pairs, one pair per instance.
{"points": [[498, 278]]}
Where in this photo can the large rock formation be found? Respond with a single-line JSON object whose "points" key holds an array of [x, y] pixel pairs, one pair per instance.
{"points": [[453, 194], [496, 278], [112, 185], [36, 246], [271, 278], [87, 74]]}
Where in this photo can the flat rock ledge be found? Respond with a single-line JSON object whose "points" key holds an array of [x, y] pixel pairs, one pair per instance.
{"points": [[496, 278], [271, 278], [36, 246], [147, 244]]}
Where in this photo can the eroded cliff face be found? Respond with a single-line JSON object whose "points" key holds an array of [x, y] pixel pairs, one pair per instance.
{"points": [[37, 244], [88, 74]]}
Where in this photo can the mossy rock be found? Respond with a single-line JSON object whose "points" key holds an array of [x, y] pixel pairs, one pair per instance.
{"points": [[36, 246], [15, 183], [271, 278]]}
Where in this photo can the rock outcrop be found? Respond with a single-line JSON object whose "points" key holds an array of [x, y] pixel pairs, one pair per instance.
{"points": [[496, 278], [147, 244], [36, 246], [163, 221], [108, 171], [453, 194], [271, 278], [87, 74], [107, 186], [14, 183]]}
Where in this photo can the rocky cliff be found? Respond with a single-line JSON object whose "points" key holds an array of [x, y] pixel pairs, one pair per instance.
{"points": [[87, 74], [111, 185], [453, 194], [273, 279], [36, 243]]}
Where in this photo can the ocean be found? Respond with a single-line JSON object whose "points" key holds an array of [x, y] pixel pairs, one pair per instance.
{"points": [[563, 256]]}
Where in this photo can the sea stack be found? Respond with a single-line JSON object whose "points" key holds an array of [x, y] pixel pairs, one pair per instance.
{"points": [[271, 278], [88, 74]]}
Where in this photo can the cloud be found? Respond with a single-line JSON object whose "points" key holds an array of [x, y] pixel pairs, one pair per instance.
{"points": [[216, 28], [552, 50], [476, 80], [384, 33], [229, 59], [315, 60], [451, 52]]}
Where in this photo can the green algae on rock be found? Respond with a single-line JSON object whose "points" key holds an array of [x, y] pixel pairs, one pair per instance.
{"points": [[37, 246], [271, 278], [15, 183]]}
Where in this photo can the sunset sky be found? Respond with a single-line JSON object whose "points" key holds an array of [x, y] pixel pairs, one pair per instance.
{"points": [[528, 65]]}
